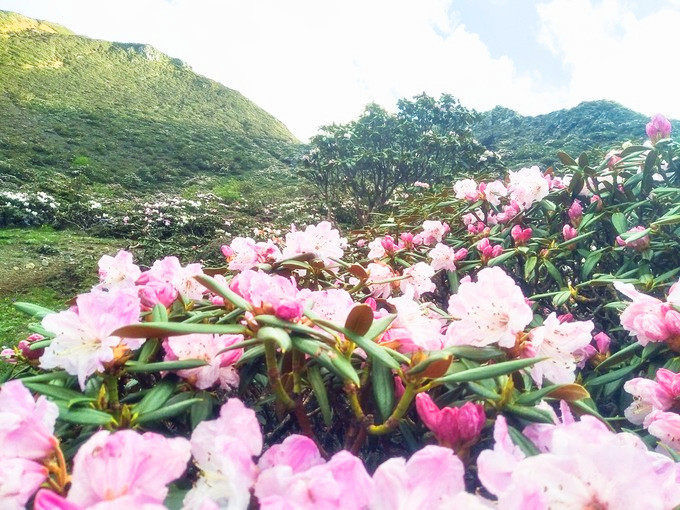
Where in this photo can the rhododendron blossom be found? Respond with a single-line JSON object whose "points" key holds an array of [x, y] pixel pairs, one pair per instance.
{"points": [[322, 240], [272, 294], [665, 427], [558, 342], [332, 305], [433, 232], [19, 479], [490, 311], [582, 465], [244, 253], [416, 327], [223, 450], [658, 127], [528, 186], [645, 317], [378, 272], [118, 270], [445, 257], [169, 270], [659, 395], [466, 189], [455, 427], [123, 467], [83, 343], [419, 280], [220, 368], [493, 192]]}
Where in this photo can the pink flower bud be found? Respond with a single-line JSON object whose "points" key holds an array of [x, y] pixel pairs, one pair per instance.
{"points": [[575, 213], [361, 243], [289, 310], [520, 235], [398, 386], [602, 341], [569, 232], [157, 292], [460, 255], [455, 427], [638, 244], [406, 241], [658, 128], [8, 356], [227, 251], [595, 199], [567, 317], [387, 243]]}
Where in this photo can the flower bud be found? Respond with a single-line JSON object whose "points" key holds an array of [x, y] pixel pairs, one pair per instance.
{"points": [[658, 128]]}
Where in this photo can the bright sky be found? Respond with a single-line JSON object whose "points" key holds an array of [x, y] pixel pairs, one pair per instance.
{"points": [[315, 62]]}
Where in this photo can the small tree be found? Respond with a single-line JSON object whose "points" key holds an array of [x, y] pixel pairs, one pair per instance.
{"points": [[366, 160]]}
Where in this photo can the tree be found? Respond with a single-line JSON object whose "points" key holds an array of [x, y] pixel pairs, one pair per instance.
{"points": [[360, 165]]}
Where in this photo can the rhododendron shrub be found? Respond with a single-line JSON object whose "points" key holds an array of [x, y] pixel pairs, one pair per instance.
{"points": [[417, 363]]}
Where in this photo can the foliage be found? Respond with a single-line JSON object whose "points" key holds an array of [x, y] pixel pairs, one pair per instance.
{"points": [[592, 125], [361, 164]]}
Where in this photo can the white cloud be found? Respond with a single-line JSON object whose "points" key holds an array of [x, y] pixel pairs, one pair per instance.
{"points": [[314, 62], [613, 54]]}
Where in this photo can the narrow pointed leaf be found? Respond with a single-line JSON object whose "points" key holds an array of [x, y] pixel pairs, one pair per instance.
{"points": [[162, 330], [277, 335], [223, 291], [382, 382], [319, 389], [328, 357], [167, 411], [157, 396], [488, 371], [134, 367], [36, 311]]}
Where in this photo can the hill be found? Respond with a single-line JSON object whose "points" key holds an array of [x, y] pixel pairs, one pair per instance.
{"points": [[99, 113], [595, 126]]}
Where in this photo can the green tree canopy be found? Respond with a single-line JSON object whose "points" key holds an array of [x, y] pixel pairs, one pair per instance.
{"points": [[359, 165]]}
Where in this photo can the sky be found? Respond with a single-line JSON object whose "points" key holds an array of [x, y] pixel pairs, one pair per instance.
{"points": [[316, 62]]}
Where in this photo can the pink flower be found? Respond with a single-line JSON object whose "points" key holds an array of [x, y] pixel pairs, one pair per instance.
{"points": [[569, 232], [388, 245], [649, 396], [520, 235], [582, 465], [19, 479], [490, 311], [495, 466], [658, 128], [223, 450], [433, 232], [376, 249], [429, 480], [416, 327], [666, 428], [220, 367], [575, 213], [638, 244], [118, 270], [377, 271], [455, 427], [443, 257], [157, 292], [419, 281], [493, 192], [407, 241], [48, 500], [269, 293], [125, 466], [83, 343], [244, 253], [322, 240], [169, 270], [644, 318], [26, 425], [423, 185], [295, 476], [558, 342], [466, 189], [487, 250], [332, 305], [528, 186]]}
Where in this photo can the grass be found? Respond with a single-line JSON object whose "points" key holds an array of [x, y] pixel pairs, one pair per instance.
{"points": [[45, 267]]}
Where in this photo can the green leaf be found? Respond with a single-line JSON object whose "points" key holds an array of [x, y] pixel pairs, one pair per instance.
{"points": [[488, 371], [328, 357], [319, 389], [250, 354], [134, 367], [58, 392], [84, 416], [525, 444], [162, 330], [532, 414], [496, 261], [475, 353], [36, 311], [576, 239], [223, 291], [382, 382], [614, 375], [156, 396], [159, 313], [276, 335], [583, 160], [666, 220], [529, 267], [40, 344], [483, 391], [590, 263], [49, 376], [271, 320], [379, 326], [201, 410], [634, 236], [554, 272], [619, 222], [148, 349], [566, 159], [167, 411], [561, 298]]}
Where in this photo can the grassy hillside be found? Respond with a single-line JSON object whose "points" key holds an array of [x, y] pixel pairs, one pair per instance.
{"points": [[97, 112], [595, 126]]}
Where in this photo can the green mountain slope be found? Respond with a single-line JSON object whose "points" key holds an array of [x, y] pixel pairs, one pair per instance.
{"points": [[595, 126], [103, 112]]}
